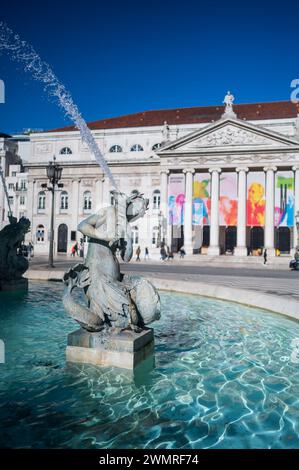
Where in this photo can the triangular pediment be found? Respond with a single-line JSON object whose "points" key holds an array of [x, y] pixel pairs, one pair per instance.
{"points": [[229, 134]]}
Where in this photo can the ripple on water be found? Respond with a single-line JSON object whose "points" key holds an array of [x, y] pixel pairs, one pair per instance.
{"points": [[223, 379]]}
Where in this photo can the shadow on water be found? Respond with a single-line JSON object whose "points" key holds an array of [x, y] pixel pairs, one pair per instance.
{"points": [[140, 375]]}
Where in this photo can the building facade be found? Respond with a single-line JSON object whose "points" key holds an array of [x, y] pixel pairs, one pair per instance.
{"points": [[220, 180], [10, 165]]}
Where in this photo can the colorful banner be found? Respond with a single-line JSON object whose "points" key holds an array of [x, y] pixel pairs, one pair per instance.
{"points": [[284, 199], [201, 206], [256, 199], [228, 200], [176, 199]]}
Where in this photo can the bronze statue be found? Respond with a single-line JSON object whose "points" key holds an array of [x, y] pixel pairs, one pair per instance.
{"points": [[115, 301], [12, 263]]}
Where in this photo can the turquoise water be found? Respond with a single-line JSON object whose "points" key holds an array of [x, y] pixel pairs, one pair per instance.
{"points": [[223, 378]]}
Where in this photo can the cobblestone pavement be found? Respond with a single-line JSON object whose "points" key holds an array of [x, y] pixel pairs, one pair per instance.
{"points": [[282, 282]]}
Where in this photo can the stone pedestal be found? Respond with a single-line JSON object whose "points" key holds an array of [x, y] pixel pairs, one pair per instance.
{"points": [[14, 285], [240, 251], [125, 350]]}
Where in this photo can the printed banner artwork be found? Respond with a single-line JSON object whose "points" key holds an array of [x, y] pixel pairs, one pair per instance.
{"points": [[201, 206], [176, 199], [256, 202], [228, 200], [284, 199]]}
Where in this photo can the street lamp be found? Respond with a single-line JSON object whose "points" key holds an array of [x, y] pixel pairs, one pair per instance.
{"points": [[160, 237], [54, 172], [297, 227]]}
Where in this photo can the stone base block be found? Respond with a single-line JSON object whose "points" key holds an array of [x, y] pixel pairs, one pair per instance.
{"points": [[213, 251], [125, 350], [270, 252], [240, 251], [15, 285]]}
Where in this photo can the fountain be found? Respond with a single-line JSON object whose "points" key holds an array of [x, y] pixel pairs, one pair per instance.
{"points": [[113, 323], [12, 263]]}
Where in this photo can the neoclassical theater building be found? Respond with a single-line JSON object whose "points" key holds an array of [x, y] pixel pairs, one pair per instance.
{"points": [[220, 179]]}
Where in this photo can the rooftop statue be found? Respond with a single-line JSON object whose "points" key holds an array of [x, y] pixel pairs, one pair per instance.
{"points": [[228, 101], [12, 263], [115, 302], [166, 132]]}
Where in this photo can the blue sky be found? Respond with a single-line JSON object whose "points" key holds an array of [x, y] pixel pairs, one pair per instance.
{"points": [[121, 57]]}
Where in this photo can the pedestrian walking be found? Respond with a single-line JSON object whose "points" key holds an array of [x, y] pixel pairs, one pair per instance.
{"points": [[182, 252], [30, 250], [138, 251], [74, 249], [146, 253], [265, 256], [163, 253]]}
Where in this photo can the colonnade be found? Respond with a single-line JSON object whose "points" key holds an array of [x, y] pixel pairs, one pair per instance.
{"points": [[241, 248]]}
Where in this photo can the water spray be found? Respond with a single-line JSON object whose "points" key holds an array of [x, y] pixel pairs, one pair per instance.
{"points": [[24, 53]]}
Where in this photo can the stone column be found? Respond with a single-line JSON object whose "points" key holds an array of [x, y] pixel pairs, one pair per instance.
{"points": [[106, 192], [269, 219], [30, 209], [166, 228], [214, 249], [74, 205], [296, 204], [241, 248], [188, 245]]}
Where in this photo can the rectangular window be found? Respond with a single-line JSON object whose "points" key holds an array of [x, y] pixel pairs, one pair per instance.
{"points": [[23, 184], [73, 235], [10, 186], [10, 200], [14, 173], [22, 200]]}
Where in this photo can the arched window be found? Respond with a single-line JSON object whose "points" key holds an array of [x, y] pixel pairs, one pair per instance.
{"points": [[65, 151], [40, 234], [137, 148], [87, 201], [64, 200], [115, 149], [155, 235], [135, 235], [156, 146], [156, 199], [41, 200]]}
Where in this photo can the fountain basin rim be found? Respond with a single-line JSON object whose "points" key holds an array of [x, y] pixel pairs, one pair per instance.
{"points": [[249, 298]]}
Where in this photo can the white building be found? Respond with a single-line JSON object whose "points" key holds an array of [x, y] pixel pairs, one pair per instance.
{"points": [[9, 157], [16, 183], [224, 181]]}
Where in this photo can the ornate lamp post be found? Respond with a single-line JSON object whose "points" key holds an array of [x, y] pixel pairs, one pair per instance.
{"points": [[160, 237], [297, 227], [54, 172]]}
